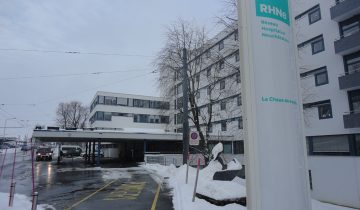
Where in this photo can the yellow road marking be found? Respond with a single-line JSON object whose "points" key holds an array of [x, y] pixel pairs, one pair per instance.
{"points": [[92, 194], [153, 207], [128, 191]]}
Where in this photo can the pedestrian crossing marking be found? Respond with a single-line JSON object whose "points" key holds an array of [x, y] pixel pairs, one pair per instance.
{"points": [[127, 191]]}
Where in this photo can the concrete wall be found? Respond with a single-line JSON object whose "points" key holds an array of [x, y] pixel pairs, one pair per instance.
{"points": [[336, 179]]}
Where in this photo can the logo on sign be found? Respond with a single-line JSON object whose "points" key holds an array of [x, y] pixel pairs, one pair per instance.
{"points": [[275, 9]]}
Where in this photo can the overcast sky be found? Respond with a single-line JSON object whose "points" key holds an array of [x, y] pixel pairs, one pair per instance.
{"points": [[32, 83]]}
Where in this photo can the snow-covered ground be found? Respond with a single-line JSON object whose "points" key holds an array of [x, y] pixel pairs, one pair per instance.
{"points": [[21, 202], [182, 193]]}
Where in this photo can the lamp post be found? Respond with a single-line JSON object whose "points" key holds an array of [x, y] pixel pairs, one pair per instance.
{"points": [[3, 161]]}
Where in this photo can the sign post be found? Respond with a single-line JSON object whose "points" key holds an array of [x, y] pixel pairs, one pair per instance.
{"points": [[275, 155]]}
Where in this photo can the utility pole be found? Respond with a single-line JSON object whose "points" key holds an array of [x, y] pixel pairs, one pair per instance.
{"points": [[185, 118]]}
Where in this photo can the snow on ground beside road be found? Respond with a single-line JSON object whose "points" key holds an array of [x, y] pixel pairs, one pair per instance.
{"points": [[182, 193], [21, 202]]}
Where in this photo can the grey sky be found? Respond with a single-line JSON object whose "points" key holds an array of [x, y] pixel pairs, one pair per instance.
{"points": [[106, 26]]}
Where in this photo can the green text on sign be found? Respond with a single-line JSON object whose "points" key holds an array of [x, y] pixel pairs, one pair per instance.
{"points": [[275, 9]]}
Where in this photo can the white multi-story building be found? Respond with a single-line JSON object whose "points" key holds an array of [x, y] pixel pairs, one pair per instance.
{"points": [[328, 39], [116, 111], [214, 81]]}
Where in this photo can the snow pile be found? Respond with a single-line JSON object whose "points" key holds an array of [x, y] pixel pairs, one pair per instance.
{"points": [[21, 202]]}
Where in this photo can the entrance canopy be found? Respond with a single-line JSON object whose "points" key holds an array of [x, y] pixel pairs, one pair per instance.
{"points": [[109, 136]]}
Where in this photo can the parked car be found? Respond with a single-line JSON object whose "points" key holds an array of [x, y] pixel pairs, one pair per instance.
{"points": [[70, 151], [44, 153]]}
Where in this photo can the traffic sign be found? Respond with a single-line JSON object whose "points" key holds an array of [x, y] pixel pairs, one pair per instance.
{"points": [[194, 138]]}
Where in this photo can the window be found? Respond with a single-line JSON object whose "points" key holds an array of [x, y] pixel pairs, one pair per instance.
{"points": [[122, 101], [221, 64], [238, 147], [110, 100], [320, 75], [324, 108], [101, 99], [240, 123], [222, 84], [208, 53], [107, 116], [209, 128], [352, 63], [354, 101], [325, 111], [329, 145], [208, 72], [239, 102], [321, 78], [100, 116], [350, 26], [223, 105], [314, 15], [237, 56], [238, 78], [227, 147], [317, 45], [221, 45], [223, 125]]}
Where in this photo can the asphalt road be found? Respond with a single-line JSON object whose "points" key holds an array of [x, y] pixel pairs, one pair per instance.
{"points": [[73, 185]]}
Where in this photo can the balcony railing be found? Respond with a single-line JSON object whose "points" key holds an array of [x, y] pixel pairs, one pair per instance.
{"points": [[352, 119], [348, 43]]}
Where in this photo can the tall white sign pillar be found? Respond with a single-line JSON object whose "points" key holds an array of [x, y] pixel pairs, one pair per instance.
{"points": [[276, 169]]}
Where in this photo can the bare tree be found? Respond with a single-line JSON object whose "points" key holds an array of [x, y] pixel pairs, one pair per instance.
{"points": [[73, 114], [168, 63]]}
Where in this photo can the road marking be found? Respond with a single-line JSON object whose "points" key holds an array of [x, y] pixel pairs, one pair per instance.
{"points": [[92, 194], [127, 191], [153, 207]]}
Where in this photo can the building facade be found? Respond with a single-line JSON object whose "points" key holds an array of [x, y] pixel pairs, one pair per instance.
{"points": [[214, 76], [115, 111], [328, 45]]}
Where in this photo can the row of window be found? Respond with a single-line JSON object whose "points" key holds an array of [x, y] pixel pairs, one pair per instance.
{"points": [[138, 118], [317, 44], [320, 75], [313, 14], [119, 101], [350, 26], [230, 147], [345, 145]]}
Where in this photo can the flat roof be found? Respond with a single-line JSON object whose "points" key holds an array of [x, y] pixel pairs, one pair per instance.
{"points": [[108, 136]]}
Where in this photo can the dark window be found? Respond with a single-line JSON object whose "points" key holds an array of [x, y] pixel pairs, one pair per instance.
{"points": [[240, 123], [321, 78], [354, 101], [100, 115], [222, 84], [221, 64], [350, 26], [352, 63], [325, 111], [223, 125], [208, 72], [329, 145], [324, 108], [135, 118], [238, 78], [237, 57], [107, 116], [239, 102], [310, 180], [238, 147], [221, 45], [209, 90], [317, 45], [110, 100], [223, 105], [314, 15]]}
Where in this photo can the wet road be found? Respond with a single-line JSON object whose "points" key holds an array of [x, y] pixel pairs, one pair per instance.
{"points": [[73, 185]]}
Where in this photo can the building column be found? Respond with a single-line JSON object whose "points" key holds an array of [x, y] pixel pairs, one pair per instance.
{"points": [[86, 151], [93, 153]]}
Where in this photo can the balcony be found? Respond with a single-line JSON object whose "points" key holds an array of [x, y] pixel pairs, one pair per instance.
{"points": [[352, 120], [348, 44], [350, 81], [344, 9]]}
